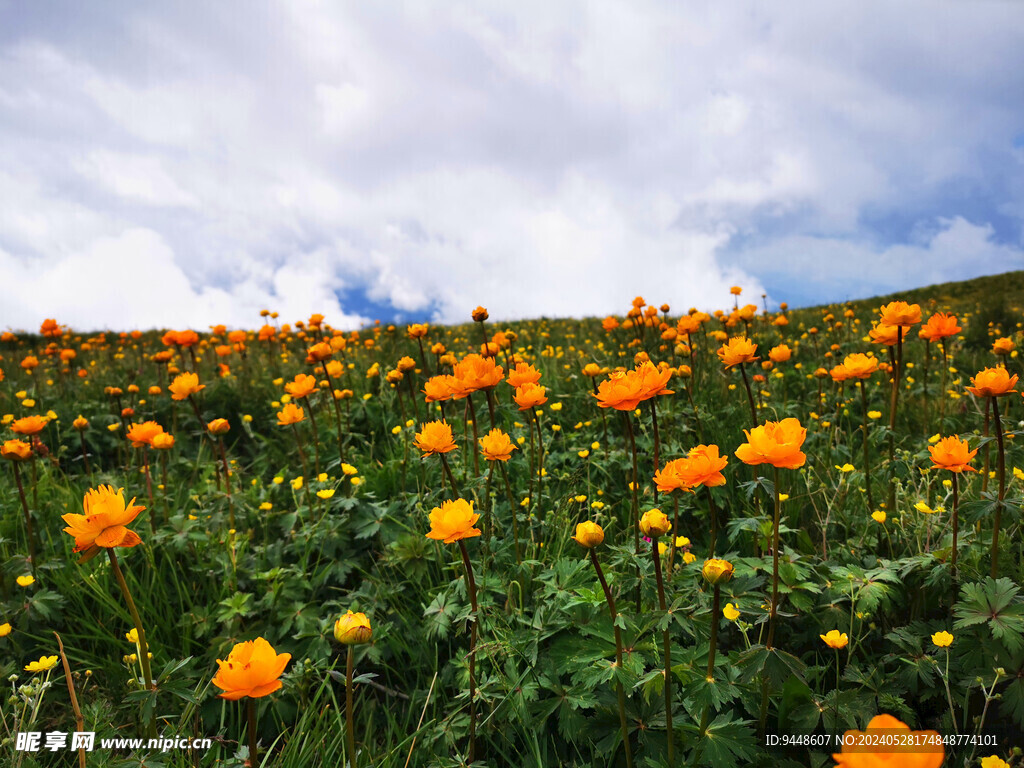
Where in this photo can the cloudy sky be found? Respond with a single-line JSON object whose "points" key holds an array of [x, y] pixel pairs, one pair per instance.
{"points": [[182, 164]]}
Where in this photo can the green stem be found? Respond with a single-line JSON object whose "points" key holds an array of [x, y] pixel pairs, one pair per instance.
{"points": [[667, 643], [148, 680], [250, 708], [472, 650], [349, 711], [775, 563], [1001, 469], [618, 657]]}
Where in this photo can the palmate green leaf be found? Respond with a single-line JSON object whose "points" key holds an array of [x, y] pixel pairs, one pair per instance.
{"points": [[729, 742], [995, 602]]}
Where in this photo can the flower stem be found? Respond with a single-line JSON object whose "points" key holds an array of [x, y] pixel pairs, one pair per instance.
{"points": [[867, 457], [750, 397], [618, 657], [667, 642], [636, 503], [956, 519], [148, 680], [472, 650], [775, 563], [349, 711], [29, 533], [1001, 468], [250, 708]]}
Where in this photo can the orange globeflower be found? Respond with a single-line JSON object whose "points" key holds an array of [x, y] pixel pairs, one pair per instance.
{"points": [[780, 353], [186, 338], [30, 362], [252, 669], [497, 446], [776, 443], [924, 751], [218, 427], [435, 437], [480, 314], [303, 385], [609, 323], [839, 373], [703, 466], [653, 380], [141, 435], [671, 477], [439, 388], [738, 349], [860, 366], [29, 425], [185, 384], [939, 326], [622, 391], [290, 414], [104, 522], [992, 382], [16, 450], [900, 314], [524, 373], [953, 454], [529, 396], [452, 521], [417, 330], [883, 334], [319, 352], [164, 441], [49, 327], [1003, 346], [475, 372]]}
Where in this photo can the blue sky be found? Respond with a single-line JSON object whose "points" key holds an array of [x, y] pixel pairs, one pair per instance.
{"points": [[183, 164]]}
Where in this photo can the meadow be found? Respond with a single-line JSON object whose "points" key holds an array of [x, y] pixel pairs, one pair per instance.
{"points": [[660, 538]]}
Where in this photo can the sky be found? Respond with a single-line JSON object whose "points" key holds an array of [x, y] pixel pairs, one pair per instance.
{"points": [[183, 164]]}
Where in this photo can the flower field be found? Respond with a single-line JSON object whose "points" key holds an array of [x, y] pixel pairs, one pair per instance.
{"points": [[665, 537]]}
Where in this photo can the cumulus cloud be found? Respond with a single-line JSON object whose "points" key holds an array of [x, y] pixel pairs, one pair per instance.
{"points": [[537, 158]]}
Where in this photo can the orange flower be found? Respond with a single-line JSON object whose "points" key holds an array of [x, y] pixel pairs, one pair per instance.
{"points": [[496, 446], [530, 396], [218, 427], [688, 324], [703, 466], [953, 454], [860, 366], [303, 385], [185, 384], [992, 382], [16, 450], [164, 441], [671, 477], [290, 414], [29, 425], [252, 669], [839, 373], [104, 522], [590, 370], [653, 380], [881, 333], [1003, 346], [480, 314], [939, 326], [49, 327], [452, 521], [141, 435], [30, 362], [439, 388], [609, 323], [737, 350], [926, 751], [475, 372], [622, 391], [588, 534], [524, 373], [267, 332], [417, 330], [900, 314], [780, 353], [435, 437], [776, 443]]}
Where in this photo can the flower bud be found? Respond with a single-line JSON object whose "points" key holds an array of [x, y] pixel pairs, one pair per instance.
{"points": [[589, 534], [655, 523], [717, 571], [353, 629], [218, 427]]}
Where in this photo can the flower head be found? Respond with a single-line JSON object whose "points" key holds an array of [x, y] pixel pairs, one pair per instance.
{"points": [[290, 414], [353, 629], [589, 534], [29, 425], [860, 366], [994, 761], [717, 571], [523, 373], [475, 372], [44, 664], [881, 333], [671, 477], [452, 521], [737, 350], [497, 446], [780, 353], [992, 382], [653, 380], [218, 427], [25, 580], [5, 629], [141, 435], [835, 639], [655, 523], [703, 466], [900, 314], [918, 753], [776, 443], [939, 326], [104, 522], [435, 437], [185, 384], [953, 454], [439, 388], [252, 669], [529, 396], [164, 441], [16, 450], [303, 385], [622, 391], [942, 639]]}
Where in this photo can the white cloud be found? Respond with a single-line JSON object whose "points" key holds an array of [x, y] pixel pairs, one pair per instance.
{"points": [[537, 158]]}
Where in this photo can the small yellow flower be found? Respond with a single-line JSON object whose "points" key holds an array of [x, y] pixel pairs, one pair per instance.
{"points": [[278, 480], [878, 516], [994, 761], [583, 454], [835, 639], [689, 557], [662, 548], [26, 581], [266, 506], [5, 629], [595, 446], [682, 541], [555, 406], [783, 497], [924, 508], [326, 493], [942, 639], [730, 612], [846, 467], [113, 427], [45, 663], [367, 396], [874, 414], [322, 477], [357, 481], [297, 482], [396, 430], [934, 438], [581, 498], [348, 469], [132, 635]]}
